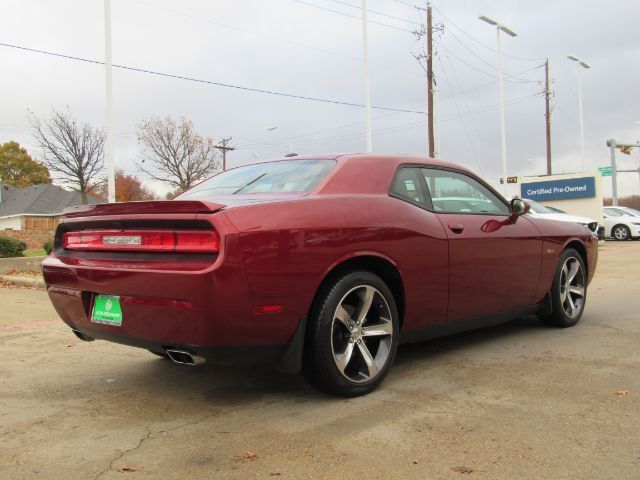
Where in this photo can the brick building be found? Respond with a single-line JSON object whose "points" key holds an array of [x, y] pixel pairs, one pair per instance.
{"points": [[31, 214]]}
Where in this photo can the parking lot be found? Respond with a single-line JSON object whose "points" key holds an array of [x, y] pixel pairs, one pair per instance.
{"points": [[516, 401]]}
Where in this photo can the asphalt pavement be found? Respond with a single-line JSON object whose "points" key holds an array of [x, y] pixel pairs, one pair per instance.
{"points": [[521, 401]]}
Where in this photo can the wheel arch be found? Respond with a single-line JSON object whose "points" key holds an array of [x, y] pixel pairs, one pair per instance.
{"points": [[579, 247], [375, 263]]}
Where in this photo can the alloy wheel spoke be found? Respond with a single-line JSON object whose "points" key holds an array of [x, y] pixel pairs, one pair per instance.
{"points": [[573, 271], [572, 306], [577, 290], [367, 300], [343, 316], [343, 359], [368, 359], [383, 328]]}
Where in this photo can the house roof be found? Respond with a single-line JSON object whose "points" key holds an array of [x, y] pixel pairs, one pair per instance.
{"points": [[42, 199]]}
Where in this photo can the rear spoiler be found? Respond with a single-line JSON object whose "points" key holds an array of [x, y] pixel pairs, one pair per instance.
{"points": [[147, 207]]}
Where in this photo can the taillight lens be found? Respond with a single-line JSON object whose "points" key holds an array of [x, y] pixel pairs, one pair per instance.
{"points": [[143, 240]]}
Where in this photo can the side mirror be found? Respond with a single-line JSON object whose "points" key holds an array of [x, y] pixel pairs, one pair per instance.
{"points": [[519, 207]]}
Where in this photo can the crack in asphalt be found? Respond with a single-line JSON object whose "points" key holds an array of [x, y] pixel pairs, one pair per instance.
{"points": [[123, 453]]}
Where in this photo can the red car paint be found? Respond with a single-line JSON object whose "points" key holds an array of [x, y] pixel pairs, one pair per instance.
{"points": [[276, 250]]}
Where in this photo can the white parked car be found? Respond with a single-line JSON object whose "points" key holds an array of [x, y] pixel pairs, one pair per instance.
{"points": [[538, 210], [621, 223], [622, 211]]}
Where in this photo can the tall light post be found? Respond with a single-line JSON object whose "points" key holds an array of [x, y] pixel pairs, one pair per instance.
{"points": [[367, 88], [110, 163], [580, 64], [501, 28]]}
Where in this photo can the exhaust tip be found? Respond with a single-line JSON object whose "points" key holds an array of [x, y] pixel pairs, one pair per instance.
{"points": [[185, 358]]}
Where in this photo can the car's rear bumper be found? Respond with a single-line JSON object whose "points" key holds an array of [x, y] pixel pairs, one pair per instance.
{"points": [[210, 312]]}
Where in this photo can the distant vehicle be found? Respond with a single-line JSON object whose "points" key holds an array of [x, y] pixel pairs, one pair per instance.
{"points": [[620, 223], [622, 211], [541, 211], [557, 210], [323, 264]]}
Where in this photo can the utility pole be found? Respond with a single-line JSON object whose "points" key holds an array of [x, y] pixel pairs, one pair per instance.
{"points": [[224, 149], [547, 96], [430, 80], [110, 163]]}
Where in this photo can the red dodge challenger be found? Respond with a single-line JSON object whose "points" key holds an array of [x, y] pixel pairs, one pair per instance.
{"points": [[321, 264]]}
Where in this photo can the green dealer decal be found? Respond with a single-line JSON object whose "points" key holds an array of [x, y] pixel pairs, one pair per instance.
{"points": [[106, 310]]}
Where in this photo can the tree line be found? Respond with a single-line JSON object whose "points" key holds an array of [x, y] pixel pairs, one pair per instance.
{"points": [[172, 152]]}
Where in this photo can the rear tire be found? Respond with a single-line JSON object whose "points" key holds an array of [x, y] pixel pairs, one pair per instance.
{"points": [[568, 291], [621, 232], [352, 335]]}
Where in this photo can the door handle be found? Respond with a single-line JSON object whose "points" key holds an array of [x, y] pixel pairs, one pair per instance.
{"points": [[456, 227]]}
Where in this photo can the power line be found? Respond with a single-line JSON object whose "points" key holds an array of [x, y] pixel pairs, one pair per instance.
{"points": [[488, 63], [482, 71], [268, 36], [210, 82], [338, 12], [528, 59], [347, 4]]}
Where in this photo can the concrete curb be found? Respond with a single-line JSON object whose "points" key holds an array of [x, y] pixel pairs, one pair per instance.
{"points": [[21, 264], [23, 281]]}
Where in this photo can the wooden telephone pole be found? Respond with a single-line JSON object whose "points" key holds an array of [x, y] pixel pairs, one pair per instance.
{"points": [[430, 80], [547, 96], [224, 149]]}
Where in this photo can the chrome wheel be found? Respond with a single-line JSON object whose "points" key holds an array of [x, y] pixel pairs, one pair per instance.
{"points": [[361, 334], [572, 287]]}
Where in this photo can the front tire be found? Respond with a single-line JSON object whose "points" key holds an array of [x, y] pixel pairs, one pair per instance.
{"points": [[621, 232], [568, 291], [352, 335]]}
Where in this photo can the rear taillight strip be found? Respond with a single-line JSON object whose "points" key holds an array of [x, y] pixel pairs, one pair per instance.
{"points": [[205, 241]]}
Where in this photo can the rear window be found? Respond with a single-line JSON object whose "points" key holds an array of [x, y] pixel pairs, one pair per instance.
{"points": [[287, 176]]}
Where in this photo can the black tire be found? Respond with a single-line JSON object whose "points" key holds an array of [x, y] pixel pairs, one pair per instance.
{"points": [[621, 233], [563, 298], [333, 332]]}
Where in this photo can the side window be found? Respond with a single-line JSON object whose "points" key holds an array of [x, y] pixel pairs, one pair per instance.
{"points": [[408, 184], [453, 192]]}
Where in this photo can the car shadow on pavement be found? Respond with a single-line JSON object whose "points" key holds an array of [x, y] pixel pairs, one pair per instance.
{"points": [[222, 385], [482, 337]]}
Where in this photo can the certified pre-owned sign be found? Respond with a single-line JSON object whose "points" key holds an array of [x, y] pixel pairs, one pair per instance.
{"points": [[584, 187]]}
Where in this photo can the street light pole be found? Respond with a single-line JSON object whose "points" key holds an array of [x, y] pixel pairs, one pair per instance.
{"points": [[367, 89], [580, 65], [503, 129], [110, 164]]}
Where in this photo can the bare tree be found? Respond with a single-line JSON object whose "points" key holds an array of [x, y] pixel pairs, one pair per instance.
{"points": [[174, 153], [73, 153]]}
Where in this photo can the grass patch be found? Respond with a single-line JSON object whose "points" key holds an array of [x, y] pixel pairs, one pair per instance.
{"points": [[35, 252]]}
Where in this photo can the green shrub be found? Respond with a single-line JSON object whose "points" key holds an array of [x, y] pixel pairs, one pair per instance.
{"points": [[10, 247], [47, 246]]}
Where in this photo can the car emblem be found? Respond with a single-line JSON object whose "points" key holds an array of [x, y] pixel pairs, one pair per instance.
{"points": [[107, 304], [122, 240]]}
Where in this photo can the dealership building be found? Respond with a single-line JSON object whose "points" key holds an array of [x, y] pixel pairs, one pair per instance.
{"points": [[577, 194]]}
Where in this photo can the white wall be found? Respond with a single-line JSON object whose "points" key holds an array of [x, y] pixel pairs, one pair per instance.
{"points": [[14, 223]]}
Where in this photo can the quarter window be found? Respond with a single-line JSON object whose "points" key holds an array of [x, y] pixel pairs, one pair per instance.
{"points": [[408, 184]]}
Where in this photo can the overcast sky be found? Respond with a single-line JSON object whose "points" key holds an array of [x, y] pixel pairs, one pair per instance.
{"points": [[289, 46]]}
